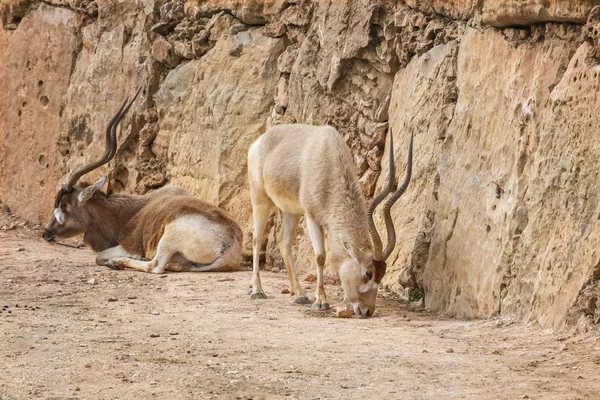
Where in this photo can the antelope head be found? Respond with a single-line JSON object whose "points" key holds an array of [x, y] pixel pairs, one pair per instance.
{"points": [[70, 216], [361, 274]]}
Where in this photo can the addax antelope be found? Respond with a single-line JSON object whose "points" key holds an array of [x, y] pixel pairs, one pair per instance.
{"points": [[304, 169], [166, 229]]}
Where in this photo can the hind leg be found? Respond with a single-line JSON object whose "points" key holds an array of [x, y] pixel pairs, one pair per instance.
{"points": [[287, 234], [166, 249], [156, 265], [260, 214]]}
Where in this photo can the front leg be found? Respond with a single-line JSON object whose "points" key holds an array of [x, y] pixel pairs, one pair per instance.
{"points": [[106, 257], [318, 241], [118, 258]]}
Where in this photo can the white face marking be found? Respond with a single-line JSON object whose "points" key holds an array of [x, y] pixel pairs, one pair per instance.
{"points": [[367, 286], [59, 215]]}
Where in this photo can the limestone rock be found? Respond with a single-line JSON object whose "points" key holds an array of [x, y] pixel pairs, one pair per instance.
{"points": [[211, 110], [517, 12], [162, 51], [592, 31], [275, 29], [429, 79], [476, 243], [252, 12], [287, 58], [457, 9], [37, 64]]}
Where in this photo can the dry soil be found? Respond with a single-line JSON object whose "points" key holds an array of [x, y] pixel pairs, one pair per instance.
{"points": [[72, 330]]}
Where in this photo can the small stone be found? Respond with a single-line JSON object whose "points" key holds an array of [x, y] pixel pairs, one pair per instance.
{"points": [[173, 333], [153, 382], [424, 351], [154, 335], [162, 276], [285, 291], [88, 365], [21, 249], [112, 299], [497, 352], [450, 350], [344, 312], [524, 396], [92, 282]]}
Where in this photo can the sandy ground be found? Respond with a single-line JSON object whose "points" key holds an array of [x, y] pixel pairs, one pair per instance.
{"points": [[72, 330]]}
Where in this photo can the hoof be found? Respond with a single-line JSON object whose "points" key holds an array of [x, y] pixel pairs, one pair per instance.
{"points": [[258, 295], [302, 300], [320, 306], [112, 265]]}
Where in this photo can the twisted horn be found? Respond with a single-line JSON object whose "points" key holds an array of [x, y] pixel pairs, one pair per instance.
{"points": [[111, 146], [391, 185], [389, 224]]}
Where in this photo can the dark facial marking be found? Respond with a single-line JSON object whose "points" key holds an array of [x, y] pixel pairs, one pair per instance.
{"points": [[380, 267]]}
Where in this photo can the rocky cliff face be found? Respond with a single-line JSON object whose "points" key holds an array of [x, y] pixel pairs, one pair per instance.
{"points": [[502, 214]]}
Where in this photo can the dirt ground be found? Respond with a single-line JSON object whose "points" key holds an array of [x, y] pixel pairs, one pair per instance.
{"points": [[72, 330]]}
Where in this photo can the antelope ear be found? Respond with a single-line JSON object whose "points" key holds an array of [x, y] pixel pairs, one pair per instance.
{"points": [[349, 247], [89, 191]]}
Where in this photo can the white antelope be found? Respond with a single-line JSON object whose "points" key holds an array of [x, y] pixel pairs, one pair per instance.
{"points": [[166, 229], [305, 169]]}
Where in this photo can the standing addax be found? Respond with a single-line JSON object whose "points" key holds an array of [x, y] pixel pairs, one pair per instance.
{"points": [[166, 229], [304, 169]]}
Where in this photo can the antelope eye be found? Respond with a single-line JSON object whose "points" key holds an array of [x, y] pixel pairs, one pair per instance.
{"points": [[369, 275]]}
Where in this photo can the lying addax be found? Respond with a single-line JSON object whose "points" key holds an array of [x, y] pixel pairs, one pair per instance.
{"points": [[168, 226], [304, 169]]}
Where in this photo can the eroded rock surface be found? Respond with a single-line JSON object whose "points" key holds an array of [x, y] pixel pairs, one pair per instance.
{"points": [[38, 60], [500, 217], [517, 12]]}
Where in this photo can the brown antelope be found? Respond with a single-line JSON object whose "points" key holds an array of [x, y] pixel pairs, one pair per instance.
{"points": [[168, 226], [304, 169]]}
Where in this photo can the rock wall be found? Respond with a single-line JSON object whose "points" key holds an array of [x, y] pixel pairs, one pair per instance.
{"points": [[501, 217]]}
